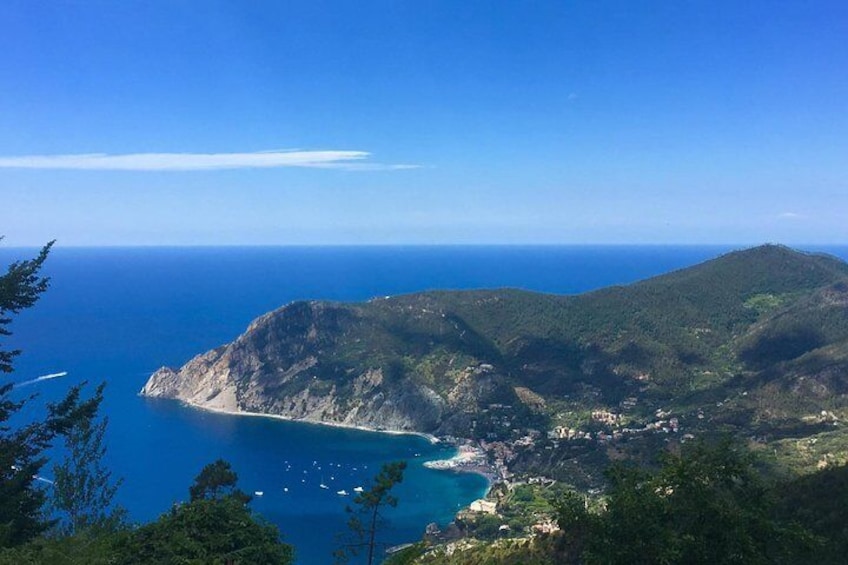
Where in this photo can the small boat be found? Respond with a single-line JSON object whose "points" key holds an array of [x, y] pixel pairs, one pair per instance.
{"points": [[285, 489], [322, 485], [358, 489], [342, 492], [258, 493]]}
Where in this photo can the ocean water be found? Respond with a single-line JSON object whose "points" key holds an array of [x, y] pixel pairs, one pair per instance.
{"points": [[117, 314]]}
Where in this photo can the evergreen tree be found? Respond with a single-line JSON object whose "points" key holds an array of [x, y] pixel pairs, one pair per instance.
{"points": [[21, 448], [83, 489], [216, 526], [23, 514], [20, 288], [216, 481], [367, 518]]}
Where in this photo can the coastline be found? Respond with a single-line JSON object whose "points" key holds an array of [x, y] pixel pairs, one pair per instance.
{"points": [[469, 458], [429, 437]]}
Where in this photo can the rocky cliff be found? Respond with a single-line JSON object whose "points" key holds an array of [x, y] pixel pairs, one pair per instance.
{"points": [[287, 364]]}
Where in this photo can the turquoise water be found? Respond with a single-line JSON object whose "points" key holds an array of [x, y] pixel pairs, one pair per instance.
{"points": [[118, 314]]}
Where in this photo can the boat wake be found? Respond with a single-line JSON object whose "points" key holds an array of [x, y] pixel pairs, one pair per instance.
{"points": [[36, 477], [42, 378]]}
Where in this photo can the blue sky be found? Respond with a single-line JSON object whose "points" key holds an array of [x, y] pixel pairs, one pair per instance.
{"points": [[413, 122]]}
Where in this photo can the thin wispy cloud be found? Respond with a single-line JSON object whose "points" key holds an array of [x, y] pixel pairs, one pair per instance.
{"points": [[347, 160], [790, 216]]}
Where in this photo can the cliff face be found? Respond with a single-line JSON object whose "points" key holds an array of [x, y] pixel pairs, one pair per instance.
{"points": [[447, 362], [288, 364], [202, 382]]}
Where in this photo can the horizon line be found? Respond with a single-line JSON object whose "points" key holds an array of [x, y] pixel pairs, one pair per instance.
{"points": [[430, 245]]}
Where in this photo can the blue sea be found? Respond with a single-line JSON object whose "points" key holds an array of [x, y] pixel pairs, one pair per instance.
{"points": [[117, 314]]}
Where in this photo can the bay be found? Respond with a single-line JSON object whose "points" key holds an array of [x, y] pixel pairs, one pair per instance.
{"points": [[117, 314]]}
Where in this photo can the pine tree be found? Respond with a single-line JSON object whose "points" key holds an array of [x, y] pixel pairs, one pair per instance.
{"points": [[21, 448], [367, 518], [84, 489], [20, 288], [215, 526], [23, 511], [216, 481]]}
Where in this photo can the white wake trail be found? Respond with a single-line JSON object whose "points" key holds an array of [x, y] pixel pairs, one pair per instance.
{"points": [[42, 378], [36, 477]]}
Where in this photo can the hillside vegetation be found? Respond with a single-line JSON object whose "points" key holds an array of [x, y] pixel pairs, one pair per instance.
{"points": [[754, 342]]}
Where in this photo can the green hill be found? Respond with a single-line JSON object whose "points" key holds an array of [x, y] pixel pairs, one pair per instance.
{"points": [[753, 342]]}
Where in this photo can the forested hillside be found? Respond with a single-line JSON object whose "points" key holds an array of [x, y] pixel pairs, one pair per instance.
{"points": [[753, 342]]}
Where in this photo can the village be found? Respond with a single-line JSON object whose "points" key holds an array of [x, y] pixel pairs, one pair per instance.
{"points": [[519, 503]]}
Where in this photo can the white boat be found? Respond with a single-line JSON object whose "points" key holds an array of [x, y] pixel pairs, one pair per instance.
{"points": [[258, 493], [322, 485], [358, 489], [342, 492]]}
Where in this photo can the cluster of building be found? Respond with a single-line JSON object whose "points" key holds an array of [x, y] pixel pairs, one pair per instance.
{"points": [[662, 424]]}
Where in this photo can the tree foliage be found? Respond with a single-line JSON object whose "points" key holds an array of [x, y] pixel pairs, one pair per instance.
{"points": [[215, 526], [22, 447], [706, 505], [20, 288], [818, 501], [367, 518], [84, 489], [216, 481]]}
